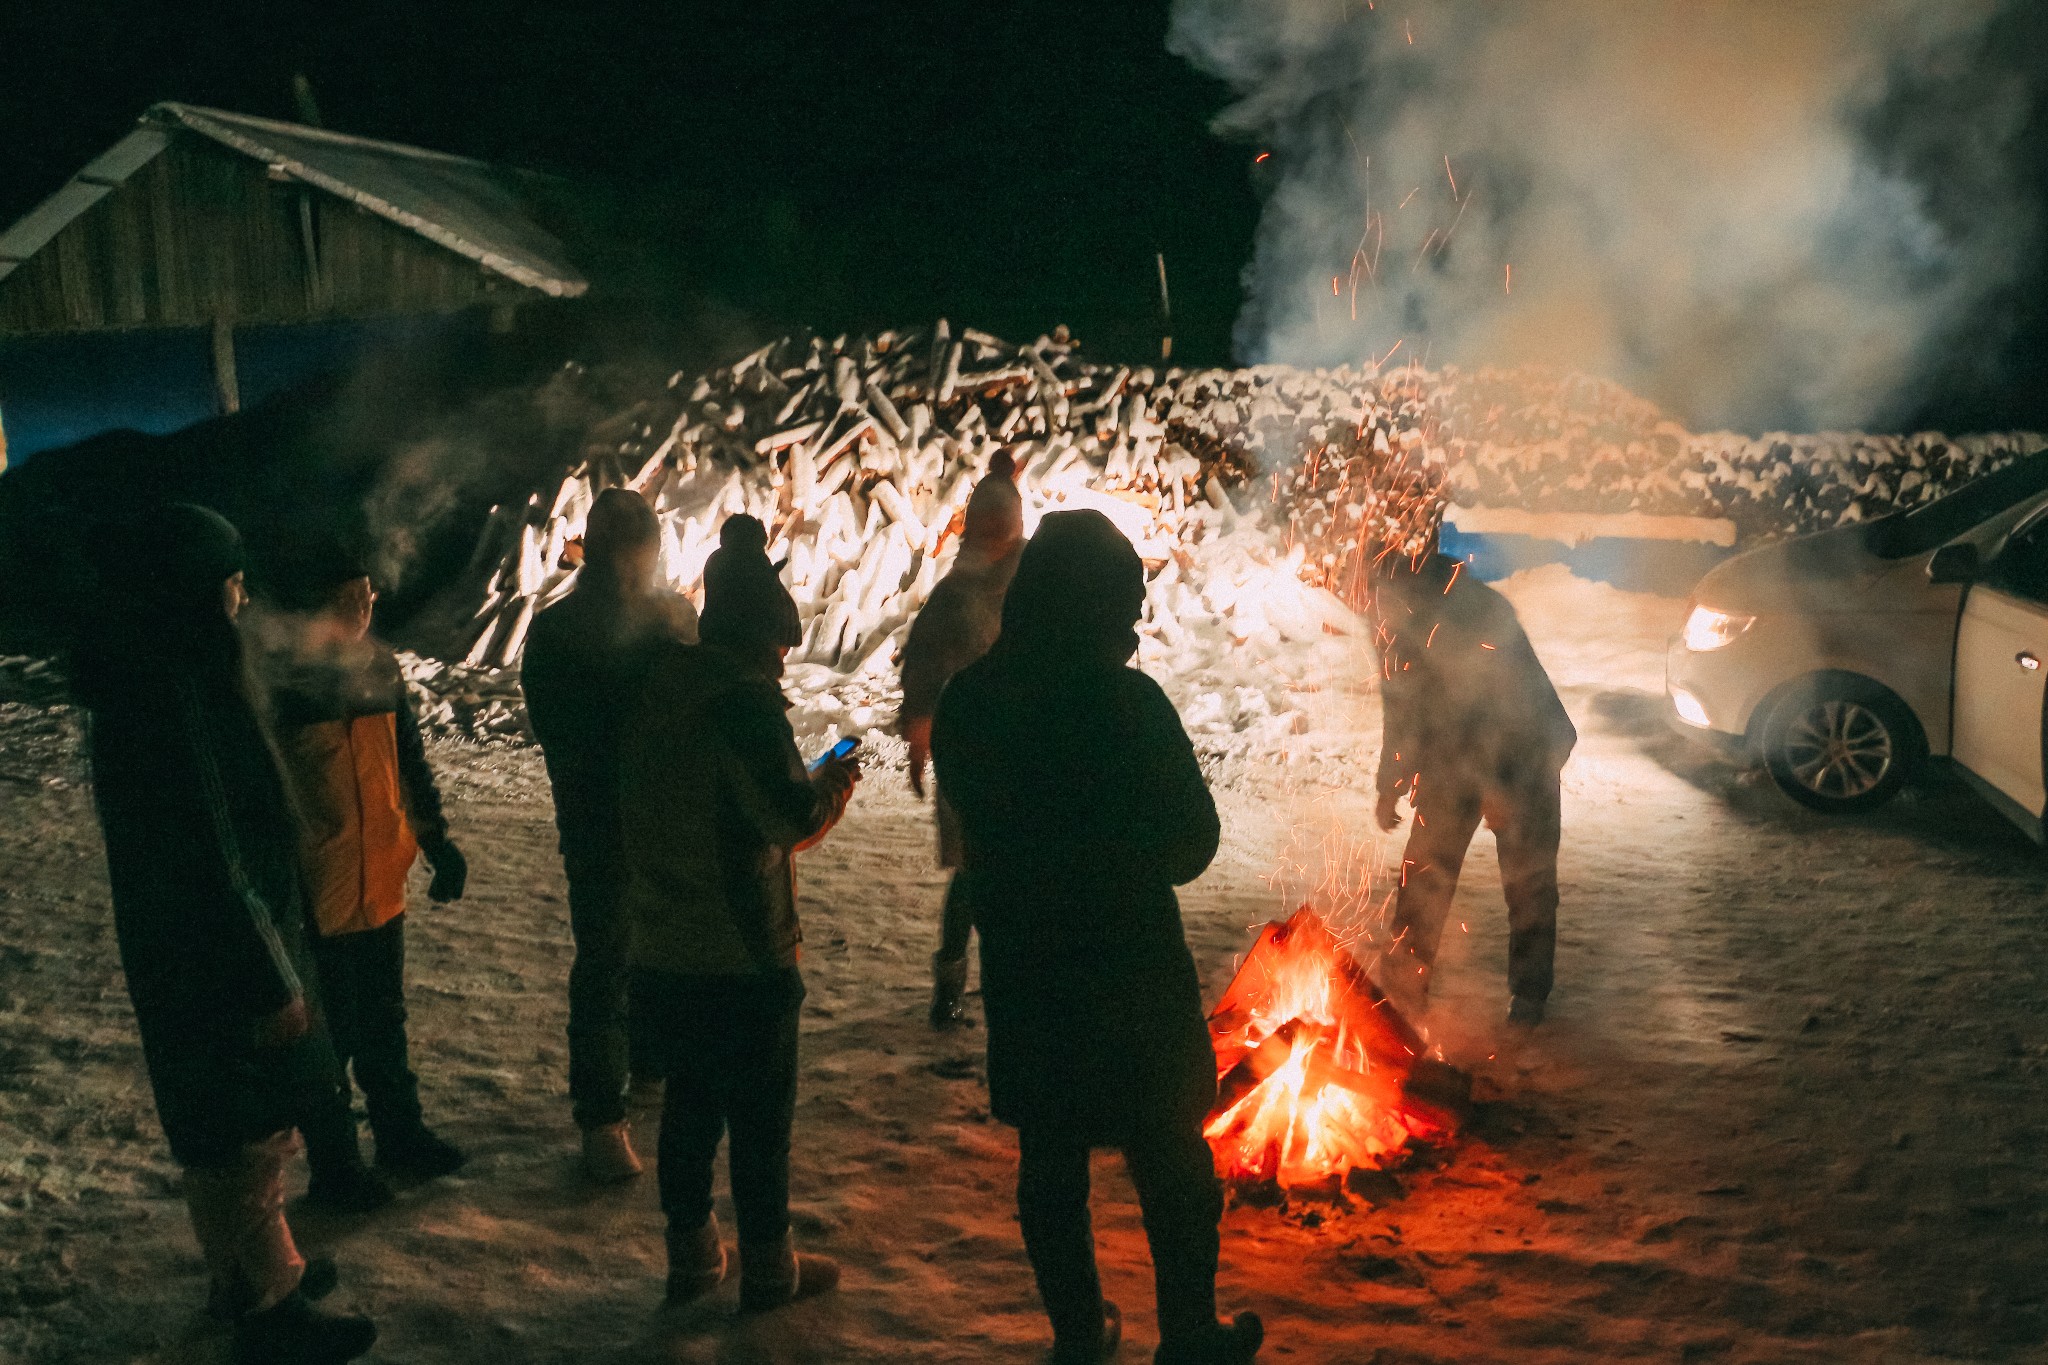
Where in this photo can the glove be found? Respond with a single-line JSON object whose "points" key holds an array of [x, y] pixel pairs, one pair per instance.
{"points": [[1389, 812], [451, 872]]}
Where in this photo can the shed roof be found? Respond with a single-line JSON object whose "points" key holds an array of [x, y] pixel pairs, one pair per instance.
{"points": [[464, 205]]}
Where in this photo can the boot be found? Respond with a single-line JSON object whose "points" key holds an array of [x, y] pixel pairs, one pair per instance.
{"points": [[1234, 1344], [1526, 1011], [416, 1153], [696, 1263], [608, 1155], [949, 991], [773, 1274], [227, 1301], [349, 1189], [1092, 1352], [294, 1332]]}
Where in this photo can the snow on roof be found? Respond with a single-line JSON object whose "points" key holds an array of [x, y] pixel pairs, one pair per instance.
{"points": [[461, 204]]}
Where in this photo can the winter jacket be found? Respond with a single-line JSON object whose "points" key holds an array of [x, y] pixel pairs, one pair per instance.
{"points": [[714, 799], [366, 798], [960, 620], [1467, 702], [1082, 807], [202, 855], [585, 660]]}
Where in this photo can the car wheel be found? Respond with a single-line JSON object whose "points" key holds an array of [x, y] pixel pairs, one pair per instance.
{"points": [[1842, 747]]}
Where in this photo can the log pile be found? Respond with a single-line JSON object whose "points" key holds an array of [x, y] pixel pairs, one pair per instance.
{"points": [[1256, 496]]}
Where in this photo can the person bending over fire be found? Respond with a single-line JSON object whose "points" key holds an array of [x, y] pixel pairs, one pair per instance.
{"points": [[1474, 731], [1081, 807], [584, 664], [368, 808], [714, 800], [959, 622], [202, 855]]}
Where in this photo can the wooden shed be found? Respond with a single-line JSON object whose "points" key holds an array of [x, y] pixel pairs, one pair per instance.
{"points": [[213, 220]]}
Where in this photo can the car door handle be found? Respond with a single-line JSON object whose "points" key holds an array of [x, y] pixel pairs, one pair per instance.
{"points": [[2025, 659]]}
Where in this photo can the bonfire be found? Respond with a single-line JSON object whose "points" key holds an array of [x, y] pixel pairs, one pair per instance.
{"points": [[1320, 1074]]}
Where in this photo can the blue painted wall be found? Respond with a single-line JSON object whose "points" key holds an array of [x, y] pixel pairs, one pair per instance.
{"points": [[59, 390]]}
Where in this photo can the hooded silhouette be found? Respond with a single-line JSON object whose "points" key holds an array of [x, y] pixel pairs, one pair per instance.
{"points": [[1081, 807]]}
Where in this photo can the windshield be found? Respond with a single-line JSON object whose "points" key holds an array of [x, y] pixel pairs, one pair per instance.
{"points": [[1905, 534]]}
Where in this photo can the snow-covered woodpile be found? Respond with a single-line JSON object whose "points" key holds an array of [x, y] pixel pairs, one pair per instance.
{"points": [[1255, 495]]}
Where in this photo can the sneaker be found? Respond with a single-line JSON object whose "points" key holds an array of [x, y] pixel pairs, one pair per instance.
{"points": [[1525, 1010], [1233, 1344], [608, 1155], [349, 1189], [294, 1332], [1097, 1351], [419, 1154], [776, 1274]]}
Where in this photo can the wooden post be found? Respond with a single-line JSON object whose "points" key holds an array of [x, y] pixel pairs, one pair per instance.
{"points": [[227, 388]]}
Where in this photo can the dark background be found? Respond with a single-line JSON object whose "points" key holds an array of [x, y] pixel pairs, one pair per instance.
{"points": [[842, 164]]}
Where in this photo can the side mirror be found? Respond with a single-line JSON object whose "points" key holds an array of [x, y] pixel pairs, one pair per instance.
{"points": [[1953, 564]]}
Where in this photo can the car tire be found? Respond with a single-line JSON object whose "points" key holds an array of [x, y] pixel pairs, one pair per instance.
{"points": [[1842, 745]]}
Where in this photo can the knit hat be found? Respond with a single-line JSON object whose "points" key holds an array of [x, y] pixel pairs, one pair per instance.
{"points": [[620, 522], [745, 605], [995, 512], [176, 555]]}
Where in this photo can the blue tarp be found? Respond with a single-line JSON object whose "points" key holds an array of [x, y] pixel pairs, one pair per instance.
{"points": [[1669, 568]]}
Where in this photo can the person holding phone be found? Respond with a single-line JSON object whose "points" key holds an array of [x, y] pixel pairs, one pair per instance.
{"points": [[715, 800]]}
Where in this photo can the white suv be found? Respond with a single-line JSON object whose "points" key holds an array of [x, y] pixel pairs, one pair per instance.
{"points": [[1846, 659]]}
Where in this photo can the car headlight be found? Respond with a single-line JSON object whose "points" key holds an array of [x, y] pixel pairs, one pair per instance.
{"points": [[1708, 629]]}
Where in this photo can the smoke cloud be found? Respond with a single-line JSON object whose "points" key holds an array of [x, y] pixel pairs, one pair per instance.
{"points": [[1760, 213]]}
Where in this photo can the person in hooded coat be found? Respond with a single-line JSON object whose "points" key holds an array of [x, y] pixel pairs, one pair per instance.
{"points": [[714, 800], [1474, 731], [369, 808], [209, 912], [1081, 807], [584, 663], [959, 622]]}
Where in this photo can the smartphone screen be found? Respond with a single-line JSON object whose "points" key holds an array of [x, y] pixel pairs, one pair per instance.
{"points": [[839, 750]]}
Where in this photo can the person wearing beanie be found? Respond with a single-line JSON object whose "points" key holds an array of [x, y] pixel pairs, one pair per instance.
{"points": [[715, 800], [1081, 807], [959, 622], [584, 660], [369, 808], [202, 857]]}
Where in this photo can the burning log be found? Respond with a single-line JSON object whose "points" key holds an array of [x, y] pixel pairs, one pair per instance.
{"points": [[1320, 1073]]}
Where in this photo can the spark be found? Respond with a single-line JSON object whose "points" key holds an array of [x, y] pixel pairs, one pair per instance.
{"points": [[1411, 194], [1262, 156], [1451, 175], [1409, 25], [1511, 277]]}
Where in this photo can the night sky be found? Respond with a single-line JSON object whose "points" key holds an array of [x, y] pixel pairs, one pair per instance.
{"points": [[840, 164]]}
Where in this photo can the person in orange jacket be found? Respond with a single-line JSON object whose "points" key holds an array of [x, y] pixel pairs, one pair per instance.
{"points": [[368, 808]]}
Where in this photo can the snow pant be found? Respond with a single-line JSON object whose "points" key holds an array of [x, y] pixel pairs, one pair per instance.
{"points": [[1525, 822], [238, 1216], [1180, 1198], [728, 1051], [604, 1049], [956, 927], [362, 990]]}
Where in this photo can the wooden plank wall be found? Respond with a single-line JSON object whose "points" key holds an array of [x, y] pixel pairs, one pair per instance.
{"points": [[203, 234]]}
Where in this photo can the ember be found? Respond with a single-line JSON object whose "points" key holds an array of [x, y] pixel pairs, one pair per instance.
{"points": [[1319, 1071]]}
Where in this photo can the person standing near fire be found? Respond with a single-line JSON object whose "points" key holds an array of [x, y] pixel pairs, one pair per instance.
{"points": [[714, 800], [1081, 807], [585, 660], [1473, 731], [368, 808], [202, 856], [959, 622]]}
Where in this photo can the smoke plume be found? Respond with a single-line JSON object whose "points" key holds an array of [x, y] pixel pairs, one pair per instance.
{"points": [[1759, 213]]}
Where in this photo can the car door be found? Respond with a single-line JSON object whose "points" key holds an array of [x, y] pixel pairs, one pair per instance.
{"points": [[2002, 677]]}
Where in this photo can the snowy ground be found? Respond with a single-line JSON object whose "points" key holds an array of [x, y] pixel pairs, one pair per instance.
{"points": [[1789, 1105]]}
